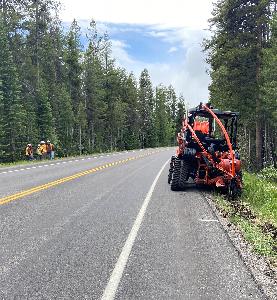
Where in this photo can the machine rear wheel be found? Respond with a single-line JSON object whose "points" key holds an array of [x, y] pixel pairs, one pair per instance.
{"points": [[180, 174], [184, 174], [171, 168], [234, 191]]}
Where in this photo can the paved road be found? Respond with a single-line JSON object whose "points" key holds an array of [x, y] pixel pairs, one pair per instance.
{"points": [[112, 233]]}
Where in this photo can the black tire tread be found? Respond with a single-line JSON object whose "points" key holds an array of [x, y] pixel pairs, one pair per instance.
{"points": [[171, 168], [184, 174], [176, 175]]}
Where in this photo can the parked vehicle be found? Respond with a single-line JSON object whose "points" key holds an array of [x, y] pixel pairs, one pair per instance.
{"points": [[207, 151]]}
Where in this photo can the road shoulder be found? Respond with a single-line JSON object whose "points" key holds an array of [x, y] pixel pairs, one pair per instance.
{"points": [[263, 273]]}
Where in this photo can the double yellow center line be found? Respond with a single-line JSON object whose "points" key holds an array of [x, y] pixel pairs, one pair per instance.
{"points": [[66, 179]]}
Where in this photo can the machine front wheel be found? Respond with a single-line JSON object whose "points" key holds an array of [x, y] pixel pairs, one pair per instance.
{"points": [[176, 175]]}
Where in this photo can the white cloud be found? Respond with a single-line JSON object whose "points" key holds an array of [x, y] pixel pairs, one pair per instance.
{"points": [[120, 53], [188, 76], [180, 23], [172, 49], [185, 36], [173, 13]]}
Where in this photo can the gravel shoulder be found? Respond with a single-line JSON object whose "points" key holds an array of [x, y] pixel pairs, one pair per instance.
{"points": [[263, 272]]}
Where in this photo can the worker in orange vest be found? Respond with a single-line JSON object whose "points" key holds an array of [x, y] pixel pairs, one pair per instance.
{"points": [[29, 152]]}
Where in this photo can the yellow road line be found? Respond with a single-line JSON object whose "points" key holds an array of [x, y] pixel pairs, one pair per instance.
{"points": [[66, 179]]}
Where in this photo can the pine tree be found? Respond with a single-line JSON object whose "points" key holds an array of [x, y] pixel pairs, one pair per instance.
{"points": [[118, 118], [161, 115], [64, 120], [269, 91], [172, 101], [2, 122], [73, 64], [164, 122], [146, 107], [180, 113], [82, 126], [130, 96], [114, 99], [235, 52], [14, 115], [94, 90], [45, 116]]}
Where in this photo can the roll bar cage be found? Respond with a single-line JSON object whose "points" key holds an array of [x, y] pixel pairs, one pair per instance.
{"points": [[204, 110]]}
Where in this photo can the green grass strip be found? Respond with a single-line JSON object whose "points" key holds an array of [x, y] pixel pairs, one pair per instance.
{"points": [[260, 195]]}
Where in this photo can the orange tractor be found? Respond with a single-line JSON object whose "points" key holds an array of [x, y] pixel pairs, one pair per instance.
{"points": [[207, 151]]}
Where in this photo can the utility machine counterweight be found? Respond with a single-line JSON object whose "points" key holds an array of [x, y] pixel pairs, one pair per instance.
{"points": [[207, 151]]}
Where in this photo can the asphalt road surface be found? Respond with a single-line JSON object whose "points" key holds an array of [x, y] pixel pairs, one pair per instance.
{"points": [[109, 227]]}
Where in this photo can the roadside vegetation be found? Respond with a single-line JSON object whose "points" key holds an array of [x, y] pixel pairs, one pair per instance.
{"points": [[260, 194], [242, 53], [255, 213]]}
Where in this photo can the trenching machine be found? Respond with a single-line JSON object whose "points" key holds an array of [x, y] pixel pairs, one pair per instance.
{"points": [[207, 151]]}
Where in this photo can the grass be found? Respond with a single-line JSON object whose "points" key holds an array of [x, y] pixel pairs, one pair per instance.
{"points": [[224, 205], [16, 163], [260, 195], [262, 243], [260, 198]]}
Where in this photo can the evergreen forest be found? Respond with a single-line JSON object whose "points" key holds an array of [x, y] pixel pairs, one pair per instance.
{"points": [[242, 53], [52, 87]]}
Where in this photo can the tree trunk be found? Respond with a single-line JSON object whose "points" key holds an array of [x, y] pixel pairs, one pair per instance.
{"points": [[80, 140], [272, 150], [259, 139]]}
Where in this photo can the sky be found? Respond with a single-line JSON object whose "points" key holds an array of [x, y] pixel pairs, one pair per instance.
{"points": [[164, 36]]}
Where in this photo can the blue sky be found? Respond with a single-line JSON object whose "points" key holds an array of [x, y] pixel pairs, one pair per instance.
{"points": [[142, 45], [166, 39]]}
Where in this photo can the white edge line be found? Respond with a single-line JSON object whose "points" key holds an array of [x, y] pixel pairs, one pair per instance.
{"points": [[111, 288]]}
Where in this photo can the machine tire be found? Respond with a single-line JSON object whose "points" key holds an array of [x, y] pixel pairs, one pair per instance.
{"points": [[176, 175], [234, 191], [184, 174], [171, 168]]}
